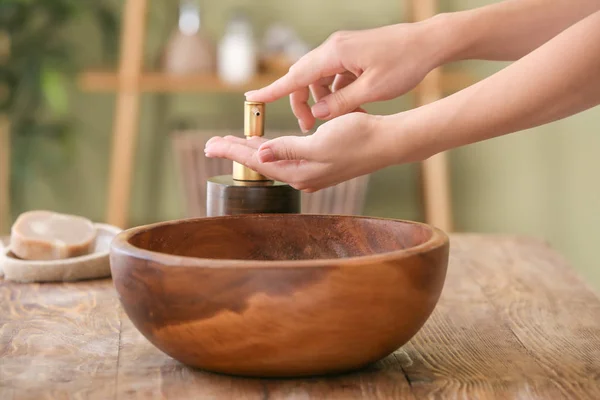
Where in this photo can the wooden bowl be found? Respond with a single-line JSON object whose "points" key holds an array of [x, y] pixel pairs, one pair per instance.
{"points": [[279, 295]]}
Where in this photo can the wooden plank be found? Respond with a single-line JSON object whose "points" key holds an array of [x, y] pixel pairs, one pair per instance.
{"points": [[550, 311], [58, 340], [467, 349], [126, 112], [513, 322], [5, 217], [158, 82]]}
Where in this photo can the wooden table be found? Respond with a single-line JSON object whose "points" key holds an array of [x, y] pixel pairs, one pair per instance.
{"points": [[514, 321]]}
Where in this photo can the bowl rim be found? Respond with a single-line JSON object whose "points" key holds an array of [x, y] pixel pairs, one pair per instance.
{"points": [[120, 244]]}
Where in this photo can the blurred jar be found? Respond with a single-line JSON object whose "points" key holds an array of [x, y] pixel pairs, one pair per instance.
{"points": [[237, 53], [189, 49]]}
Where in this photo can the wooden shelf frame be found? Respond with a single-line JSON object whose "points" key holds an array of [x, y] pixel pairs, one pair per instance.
{"points": [[5, 216], [158, 82], [131, 80]]}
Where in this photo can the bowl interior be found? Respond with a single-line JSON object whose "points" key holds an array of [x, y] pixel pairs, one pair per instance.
{"points": [[281, 237]]}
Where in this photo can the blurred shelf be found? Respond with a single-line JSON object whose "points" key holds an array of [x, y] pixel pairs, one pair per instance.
{"points": [[159, 82]]}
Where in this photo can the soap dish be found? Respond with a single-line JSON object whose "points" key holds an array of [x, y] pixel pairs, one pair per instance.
{"points": [[90, 266]]}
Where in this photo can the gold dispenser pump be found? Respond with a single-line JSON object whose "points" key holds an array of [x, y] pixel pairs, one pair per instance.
{"points": [[254, 125], [246, 191]]}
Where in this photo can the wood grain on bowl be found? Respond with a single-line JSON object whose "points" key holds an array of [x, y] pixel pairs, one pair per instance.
{"points": [[279, 295]]}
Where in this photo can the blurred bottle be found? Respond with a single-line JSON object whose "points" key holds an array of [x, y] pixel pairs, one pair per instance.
{"points": [[281, 48], [237, 53], [189, 49]]}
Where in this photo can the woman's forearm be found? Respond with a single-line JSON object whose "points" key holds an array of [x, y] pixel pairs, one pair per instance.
{"points": [[557, 80], [508, 30]]}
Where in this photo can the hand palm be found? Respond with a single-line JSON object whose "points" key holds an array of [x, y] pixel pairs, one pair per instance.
{"points": [[306, 162]]}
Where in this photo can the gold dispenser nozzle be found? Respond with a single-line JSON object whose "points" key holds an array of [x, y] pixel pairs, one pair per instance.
{"points": [[254, 125], [254, 119]]}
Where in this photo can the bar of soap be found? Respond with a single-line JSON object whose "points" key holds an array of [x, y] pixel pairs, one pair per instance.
{"points": [[46, 235]]}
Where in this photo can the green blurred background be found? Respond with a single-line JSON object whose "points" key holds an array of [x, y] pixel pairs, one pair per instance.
{"points": [[541, 182]]}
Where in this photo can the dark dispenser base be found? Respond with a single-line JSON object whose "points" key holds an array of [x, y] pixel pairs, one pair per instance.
{"points": [[226, 196]]}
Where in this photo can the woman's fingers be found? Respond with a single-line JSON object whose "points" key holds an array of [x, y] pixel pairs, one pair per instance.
{"points": [[240, 150], [254, 142], [345, 99], [299, 101], [301, 109], [321, 88], [319, 91], [286, 169], [290, 148], [319, 63], [342, 80]]}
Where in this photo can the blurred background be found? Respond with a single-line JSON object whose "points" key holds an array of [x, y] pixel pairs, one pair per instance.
{"points": [[58, 99]]}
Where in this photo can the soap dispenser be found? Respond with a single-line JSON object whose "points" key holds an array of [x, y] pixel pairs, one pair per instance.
{"points": [[246, 191]]}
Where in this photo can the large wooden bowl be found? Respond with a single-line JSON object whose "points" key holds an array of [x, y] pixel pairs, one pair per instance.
{"points": [[279, 295]]}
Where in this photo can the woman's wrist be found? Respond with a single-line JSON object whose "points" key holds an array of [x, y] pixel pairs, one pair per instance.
{"points": [[403, 138], [448, 34]]}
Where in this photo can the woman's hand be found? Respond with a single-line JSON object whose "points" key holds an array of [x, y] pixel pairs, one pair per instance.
{"points": [[537, 89], [349, 146], [354, 68]]}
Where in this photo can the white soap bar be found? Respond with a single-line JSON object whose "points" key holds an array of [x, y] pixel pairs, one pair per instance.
{"points": [[46, 235], [95, 265]]}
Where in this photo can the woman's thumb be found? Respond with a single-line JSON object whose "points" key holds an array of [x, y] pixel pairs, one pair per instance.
{"points": [[284, 148]]}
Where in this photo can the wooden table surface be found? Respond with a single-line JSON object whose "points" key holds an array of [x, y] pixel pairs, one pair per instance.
{"points": [[513, 321]]}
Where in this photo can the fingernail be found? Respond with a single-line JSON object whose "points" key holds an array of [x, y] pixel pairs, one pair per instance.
{"points": [[209, 146], [266, 155], [250, 93], [302, 126], [211, 141], [320, 110]]}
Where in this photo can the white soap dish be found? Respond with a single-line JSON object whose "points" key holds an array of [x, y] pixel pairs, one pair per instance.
{"points": [[91, 266]]}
